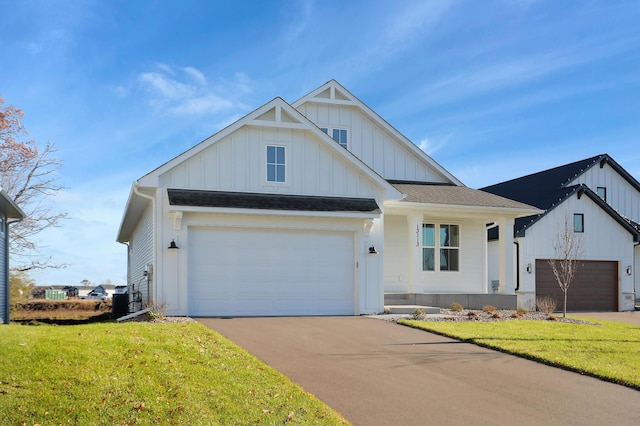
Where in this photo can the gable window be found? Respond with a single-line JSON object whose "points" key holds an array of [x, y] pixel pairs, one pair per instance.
{"points": [[275, 163], [602, 192], [338, 135], [578, 222], [444, 250]]}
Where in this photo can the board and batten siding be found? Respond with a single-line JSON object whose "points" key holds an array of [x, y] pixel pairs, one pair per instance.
{"points": [[238, 163], [371, 143], [603, 240], [400, 247], [141, 255], [621, 195], [396, 257]]}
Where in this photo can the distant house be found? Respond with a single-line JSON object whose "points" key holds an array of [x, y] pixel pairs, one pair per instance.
{"points": [[601, 201], [318, 207], [9, 213]]}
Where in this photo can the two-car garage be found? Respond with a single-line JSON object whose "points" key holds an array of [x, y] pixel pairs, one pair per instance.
{"points": [[244, 271]]}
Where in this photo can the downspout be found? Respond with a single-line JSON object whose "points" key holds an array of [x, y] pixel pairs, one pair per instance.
{"points": [[136, 191], [7, 303], [488, 226], [635, 291], [517, 265]]}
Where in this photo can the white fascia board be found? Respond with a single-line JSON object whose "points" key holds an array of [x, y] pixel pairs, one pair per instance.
{"points": [[254, 212], [12, 210], [403, 206], [133, 209], [152, 178], [279, 125]]}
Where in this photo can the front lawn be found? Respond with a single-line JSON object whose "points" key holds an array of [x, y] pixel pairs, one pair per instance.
{"points": [[143, 374], [610, 350]]}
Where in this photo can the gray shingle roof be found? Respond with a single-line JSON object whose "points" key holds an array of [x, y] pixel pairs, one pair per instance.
{"points": [[455, 196], [249, 200]]}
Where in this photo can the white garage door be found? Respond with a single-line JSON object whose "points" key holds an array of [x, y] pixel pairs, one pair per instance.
{"points": [[246, 272]]}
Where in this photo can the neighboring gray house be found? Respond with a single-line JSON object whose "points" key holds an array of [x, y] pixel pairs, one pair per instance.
{"points": [[9, 213], [601, 201]]}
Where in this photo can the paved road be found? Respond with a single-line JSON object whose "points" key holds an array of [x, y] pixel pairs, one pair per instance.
{"points": [[379, 373]]}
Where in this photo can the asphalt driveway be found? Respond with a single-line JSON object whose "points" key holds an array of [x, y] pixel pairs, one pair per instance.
{"points": [[379, 373]]}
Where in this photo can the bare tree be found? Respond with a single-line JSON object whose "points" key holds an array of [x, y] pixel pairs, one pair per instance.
{"points": [[29, 175], [568, 249]]}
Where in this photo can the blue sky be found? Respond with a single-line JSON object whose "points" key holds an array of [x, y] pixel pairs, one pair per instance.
{"points": [[492, 90]]}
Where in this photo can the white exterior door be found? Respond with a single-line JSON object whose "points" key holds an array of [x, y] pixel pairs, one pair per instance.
{"points": [[270, 272]]}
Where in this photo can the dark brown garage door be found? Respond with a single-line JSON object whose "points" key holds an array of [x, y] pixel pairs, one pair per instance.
{"points": [[595, 287]]}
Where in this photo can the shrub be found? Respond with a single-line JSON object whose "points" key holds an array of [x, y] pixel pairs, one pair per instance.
{"points": [[473, 316], [522, 311], [157, 310], [516, 315], [418, 314], [496, 314], [456, 307], [546, 304], [489, 309]]}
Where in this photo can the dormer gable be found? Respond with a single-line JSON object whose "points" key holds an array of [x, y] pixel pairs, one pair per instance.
{"points": [[369, 137]]}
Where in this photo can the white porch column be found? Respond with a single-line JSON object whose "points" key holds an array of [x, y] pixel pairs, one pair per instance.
{"points": [[414, 222], [507, 275]]}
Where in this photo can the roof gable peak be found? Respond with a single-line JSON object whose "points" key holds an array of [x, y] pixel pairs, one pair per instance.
{"points": [[332, 92]]}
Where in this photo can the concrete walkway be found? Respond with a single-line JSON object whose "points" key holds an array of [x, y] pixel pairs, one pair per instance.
{"points": [[379, 373], [632, 317]]}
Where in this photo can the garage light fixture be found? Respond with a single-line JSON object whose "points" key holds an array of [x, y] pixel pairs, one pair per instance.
{"points": [[173, 245], [372, 250], [529, 268], [629, 270]]}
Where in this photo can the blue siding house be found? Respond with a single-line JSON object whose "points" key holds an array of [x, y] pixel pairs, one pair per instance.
{"points": [[9, 213]]}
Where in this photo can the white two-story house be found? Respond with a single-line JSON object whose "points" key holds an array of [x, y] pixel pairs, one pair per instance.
{"points": [[600, 201], [318, 207]]}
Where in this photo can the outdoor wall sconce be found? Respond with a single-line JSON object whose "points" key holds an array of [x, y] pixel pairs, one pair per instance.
{"points": [[372, 250], [173, 245], [529, 268], [629, 270]]}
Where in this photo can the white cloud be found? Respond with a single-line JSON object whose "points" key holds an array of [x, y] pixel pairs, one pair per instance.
{"points": [[196, 75], [186, 91], [402, 30], [431, 146]]}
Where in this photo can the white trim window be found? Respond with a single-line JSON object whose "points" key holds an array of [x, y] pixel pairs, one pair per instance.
{"points": [[338, 135], [276, 165], [443, 251]]}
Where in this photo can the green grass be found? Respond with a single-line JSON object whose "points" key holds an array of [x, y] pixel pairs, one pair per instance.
{"points": [[143, 374], [610, 351]]}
